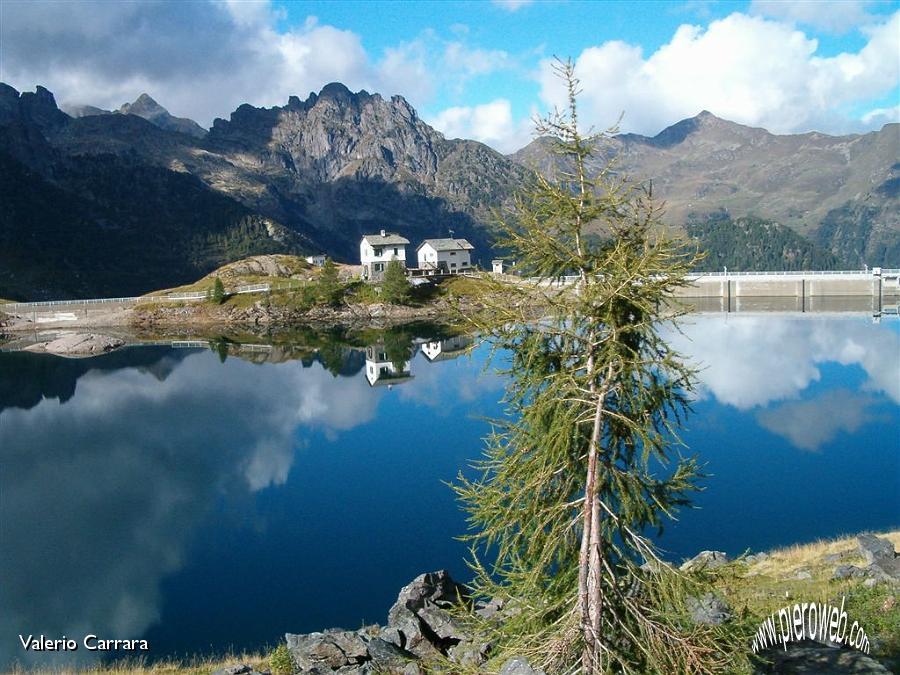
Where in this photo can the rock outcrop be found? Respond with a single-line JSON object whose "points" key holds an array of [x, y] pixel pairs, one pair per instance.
{"points": [[705, 560], [421, 625]]}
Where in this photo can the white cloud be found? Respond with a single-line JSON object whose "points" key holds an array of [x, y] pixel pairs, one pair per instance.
{"points": [[837, 16], [490, 123], [200, 59], [743, 68], [512, 5], [882, 116]]}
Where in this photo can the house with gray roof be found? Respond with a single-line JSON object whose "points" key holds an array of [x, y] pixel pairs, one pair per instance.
{"points": [[377, 250], [445, 255]]}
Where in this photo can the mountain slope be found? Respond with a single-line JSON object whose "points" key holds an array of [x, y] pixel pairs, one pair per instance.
{"points": [[332, 167], [87, 225], [705, 165]]}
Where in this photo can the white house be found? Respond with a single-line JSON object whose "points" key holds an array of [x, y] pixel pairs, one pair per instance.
{"points": [[380, 370], [497, 266], [442, 350], [377, 250], [445, 255], [316, 260]]}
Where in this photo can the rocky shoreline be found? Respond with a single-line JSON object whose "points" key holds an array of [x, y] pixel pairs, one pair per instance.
{"points": [[425, 634], [263, 315]]}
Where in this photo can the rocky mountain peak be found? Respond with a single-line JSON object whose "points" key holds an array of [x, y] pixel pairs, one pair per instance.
{"points": [[144, 106], [37, 107]]}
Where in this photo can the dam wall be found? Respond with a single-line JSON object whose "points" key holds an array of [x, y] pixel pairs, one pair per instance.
{"points": [[793, 284]]}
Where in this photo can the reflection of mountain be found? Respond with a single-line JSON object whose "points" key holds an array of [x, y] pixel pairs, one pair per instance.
{"points": [[26, 379], [101, 495]]}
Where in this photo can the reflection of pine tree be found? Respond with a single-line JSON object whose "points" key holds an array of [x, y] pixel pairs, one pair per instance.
{"points": [[398, 347]]}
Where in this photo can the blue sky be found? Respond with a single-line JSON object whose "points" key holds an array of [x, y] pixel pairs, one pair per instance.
{"points": [[475, 69]]}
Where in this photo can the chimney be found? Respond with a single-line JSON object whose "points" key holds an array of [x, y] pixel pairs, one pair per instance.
{"points": [[383, 233]]}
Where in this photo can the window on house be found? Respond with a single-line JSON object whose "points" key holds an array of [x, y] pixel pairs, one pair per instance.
{"points": [[395, 250], [452, 264], [452, 252], [377, 251]]}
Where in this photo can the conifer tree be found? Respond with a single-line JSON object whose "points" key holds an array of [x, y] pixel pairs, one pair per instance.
{"points": [[395, 286], [330, 290], [586, 463], [217, 295]]}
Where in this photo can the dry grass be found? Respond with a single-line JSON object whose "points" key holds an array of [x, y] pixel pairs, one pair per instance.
{"points": [[194, 666], [790, 559]]}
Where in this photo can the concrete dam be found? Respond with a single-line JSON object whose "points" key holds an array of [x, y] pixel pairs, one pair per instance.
{"points": [[805, 291]]}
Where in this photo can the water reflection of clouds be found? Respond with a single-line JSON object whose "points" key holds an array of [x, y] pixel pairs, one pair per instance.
{"points": [[141, 461], [462, 375], [753, 361], [811, 424]]}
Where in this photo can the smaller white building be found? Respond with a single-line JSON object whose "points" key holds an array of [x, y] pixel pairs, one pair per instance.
{"points": [[377, 250], [316, 260], [445, 255], [450, 348], [497, 266]]}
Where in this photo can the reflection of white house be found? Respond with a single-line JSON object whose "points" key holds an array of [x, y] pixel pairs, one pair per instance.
{"points": [[377, 250], [316, 260], [441, 350], [446, 255], [381, 370]]}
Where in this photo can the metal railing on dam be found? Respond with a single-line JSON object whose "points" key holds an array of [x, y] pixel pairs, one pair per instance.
{"points": [[135, 299]]}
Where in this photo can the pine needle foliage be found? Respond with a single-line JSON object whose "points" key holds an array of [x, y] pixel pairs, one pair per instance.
{"points": [[395, 286], [331, 291], [217, 294], [588, 459]]}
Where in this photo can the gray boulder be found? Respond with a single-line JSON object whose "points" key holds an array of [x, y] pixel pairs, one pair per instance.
{"points": [[705, 560], [709, 609], [755, 558], [491, 609], [469, 654], [809, 658], [239, 669], [884, 569], [330, 650], [420, 618], [519, 666], [847, 572], [388, 656], [837, 557], [874, 548]]}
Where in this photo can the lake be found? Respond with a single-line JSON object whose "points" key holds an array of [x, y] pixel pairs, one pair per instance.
{"points": [[205, 499]]}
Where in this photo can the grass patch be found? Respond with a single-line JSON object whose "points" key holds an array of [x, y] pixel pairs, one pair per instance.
{"points": [[758, 589], [191, 666]]}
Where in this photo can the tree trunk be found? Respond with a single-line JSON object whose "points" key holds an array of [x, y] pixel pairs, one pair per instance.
{"points": [[590, 572]]}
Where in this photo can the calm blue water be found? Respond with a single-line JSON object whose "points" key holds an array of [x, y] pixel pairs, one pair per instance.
{"points": [[164, 494]]}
